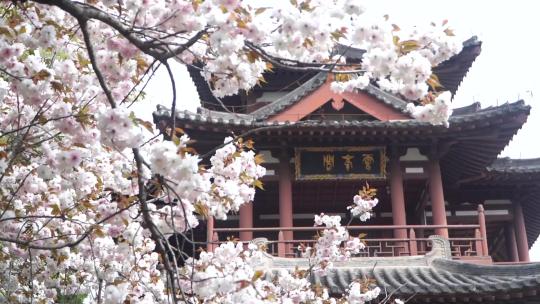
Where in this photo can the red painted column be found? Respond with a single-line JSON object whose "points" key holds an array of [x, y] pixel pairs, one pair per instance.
{"points": [[246, 221], [209, 233], [285, 197], [483, 229], [511, 243], [436, 194], [521, 233], [399, 216]]}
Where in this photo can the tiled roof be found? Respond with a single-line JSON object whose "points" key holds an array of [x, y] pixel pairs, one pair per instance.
{"points": [[314, 83], [530, 201], [471, 155], [290, 98], [508, 165], [450, 73], [522, 178], [434, 276], [388, 98], [507, 171], [472, 108], [250, 121]]}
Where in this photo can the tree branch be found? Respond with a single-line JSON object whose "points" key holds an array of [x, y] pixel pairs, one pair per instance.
{"points": [[154, 232], [173, 103], [91, 55], [85, 12], [299, 66], [70, 244]]}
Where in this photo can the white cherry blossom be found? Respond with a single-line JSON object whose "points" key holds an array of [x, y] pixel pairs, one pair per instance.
{"points": [[75, 217]]}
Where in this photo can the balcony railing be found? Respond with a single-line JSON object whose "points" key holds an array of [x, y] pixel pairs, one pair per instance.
{"points": [[465, 241]]}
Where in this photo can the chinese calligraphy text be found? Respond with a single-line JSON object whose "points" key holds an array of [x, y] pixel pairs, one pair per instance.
{"points": [[340, 163]]}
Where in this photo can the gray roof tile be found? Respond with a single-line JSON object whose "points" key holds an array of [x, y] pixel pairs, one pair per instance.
{"points": [[314, 83], [432, 275], [508, 165], [290, 98], [248, 121]]}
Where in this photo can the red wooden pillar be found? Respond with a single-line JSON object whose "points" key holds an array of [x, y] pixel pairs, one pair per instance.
{"points": [[246, 221], [413, 246], [483, 230], [399, 215], [521, 233], [209, 233], [285, 198], [436, 194], [281, 244], [479, 245], [511, 243]]}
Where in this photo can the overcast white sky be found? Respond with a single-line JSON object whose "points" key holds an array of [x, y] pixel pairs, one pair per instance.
{"points": [[505, 71]]}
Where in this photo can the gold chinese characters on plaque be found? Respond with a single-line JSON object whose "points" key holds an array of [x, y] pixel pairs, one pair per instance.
{"points": [[340, 162]]}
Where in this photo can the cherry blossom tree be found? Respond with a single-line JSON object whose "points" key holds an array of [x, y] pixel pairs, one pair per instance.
{"points": [[88, 199]]}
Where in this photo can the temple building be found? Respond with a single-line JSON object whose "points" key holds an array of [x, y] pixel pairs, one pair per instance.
{"points": [[454, 223]]}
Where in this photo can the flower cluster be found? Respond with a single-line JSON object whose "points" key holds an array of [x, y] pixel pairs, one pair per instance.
{"points": [[72, 209], [229, 182], [231, 274], [356, 82], [223, 273], [436, 113], [362, 207], [358, 293], [173, 162], [118, 129], [235, 173], [333, 244], [402, 64], [363, 203]]}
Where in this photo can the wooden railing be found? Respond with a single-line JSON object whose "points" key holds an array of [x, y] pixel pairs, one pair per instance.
{"points": [[464, 245], [465, 240]]}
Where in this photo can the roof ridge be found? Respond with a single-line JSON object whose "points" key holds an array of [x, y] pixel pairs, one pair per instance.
{"points": [[314, 83], [388, 98]]}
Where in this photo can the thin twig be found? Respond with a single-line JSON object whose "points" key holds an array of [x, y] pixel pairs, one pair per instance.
{"points": [[173, 103]]}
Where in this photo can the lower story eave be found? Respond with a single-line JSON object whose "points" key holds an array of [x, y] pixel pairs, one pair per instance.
{"points": [[432, 278]]}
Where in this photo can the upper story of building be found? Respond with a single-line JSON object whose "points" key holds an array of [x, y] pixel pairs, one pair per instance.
{"points": [[426, 174]]}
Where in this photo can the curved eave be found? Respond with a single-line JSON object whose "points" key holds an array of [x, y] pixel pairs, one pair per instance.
{"points": [[522, 184], [205, 94], [433, 277], [514, 166], [452, 72], [493, 178], [515, 179], [473, 153], [445, 281], [509, 116]]}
